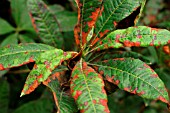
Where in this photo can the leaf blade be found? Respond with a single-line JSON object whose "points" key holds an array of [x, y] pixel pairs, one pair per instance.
{"points": [[5, 27], [111, 16], [83, 88], [4, 95], [45, 23], [17, 55], [44, 66], [134, 76], [10, 40], [20, 15], [141, 36], [63, 100], [88, 12]]}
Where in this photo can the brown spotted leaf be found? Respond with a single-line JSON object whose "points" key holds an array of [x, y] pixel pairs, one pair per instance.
{"points": [[44, 66], [134, 76], [87, 88], [88, 12], [45, 23], [141, 36], [113, 11], [64, 101], [17, 55]]}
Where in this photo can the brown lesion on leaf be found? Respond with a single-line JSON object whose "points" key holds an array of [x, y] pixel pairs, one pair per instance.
{"points": [[94, 16], [77, 34], [161, 98], [2, 67], [115, 23], [128, 43], [154, 29], [104, 103], [166, 49], [31, 87], [33, 22], [77, 94]]}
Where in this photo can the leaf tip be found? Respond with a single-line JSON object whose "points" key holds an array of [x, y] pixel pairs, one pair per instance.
{"points": [[22, 94]]}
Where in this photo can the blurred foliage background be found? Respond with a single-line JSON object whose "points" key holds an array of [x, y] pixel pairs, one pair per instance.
{"points": [[16, 27]]}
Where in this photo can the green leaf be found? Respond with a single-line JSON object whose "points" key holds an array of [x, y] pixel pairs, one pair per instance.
{"points": [[3, 73], [64, 101], [118, 101], [38, 106], [134, 76], [87, 88], [165, 24], [20, 15], [45, 23], [143, 2], [88, 12], [113, 12], [126, 54], [73, 4], [67, 19], [5, 27], [10, 40], [45, 64], [140, 36], [25, 39], [17, 55], [4, 96]]}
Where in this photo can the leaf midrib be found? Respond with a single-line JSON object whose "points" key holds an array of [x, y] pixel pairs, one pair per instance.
{"points": [[87, 85], [20, 52]]}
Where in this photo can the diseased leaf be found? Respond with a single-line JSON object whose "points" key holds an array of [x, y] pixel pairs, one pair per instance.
{"points": [[123, 54], [10, 40], [64, 102], [140, 36], [134, 76], [87, 88], [4, 95], [44, 66], [88, 12], [45, 23], [17, 55], [5, 27], [141, 11], [113, 12]]}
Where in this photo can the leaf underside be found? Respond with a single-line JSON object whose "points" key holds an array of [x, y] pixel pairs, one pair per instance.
{"points": [[87, 88], [45, 23], [44, 66], [141, 36], [134, 76], [17, 55]]}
